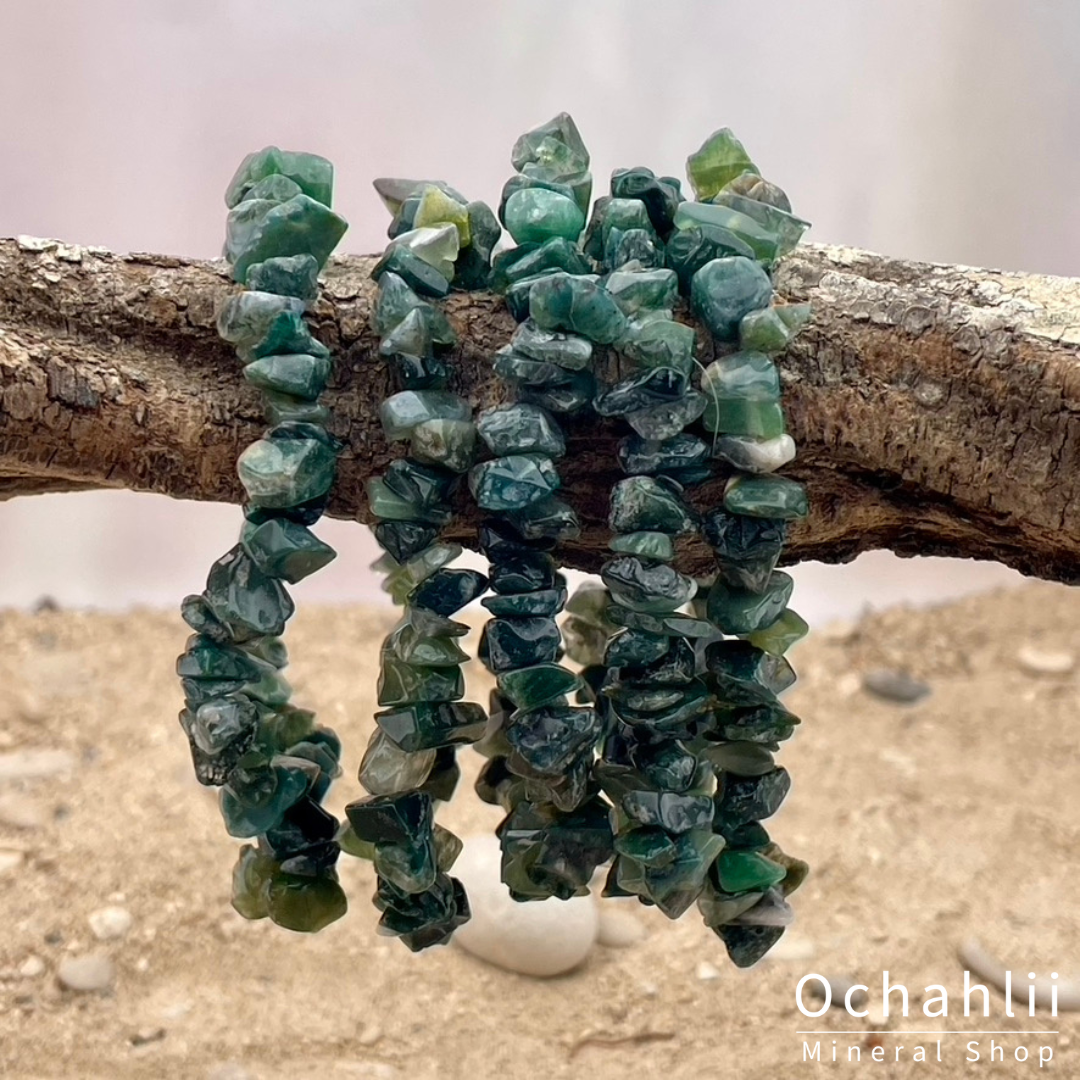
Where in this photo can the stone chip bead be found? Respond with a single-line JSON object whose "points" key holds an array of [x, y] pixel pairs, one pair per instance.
{"points": [[533, 215], [719, 160], [279, 473], [520, 429], [766, 497], [741, 611], [565, 302], [725, 290], [513, 482], [313, 175]]}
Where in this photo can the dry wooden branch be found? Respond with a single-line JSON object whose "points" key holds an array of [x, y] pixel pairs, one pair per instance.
{"points": [[935, 407]]}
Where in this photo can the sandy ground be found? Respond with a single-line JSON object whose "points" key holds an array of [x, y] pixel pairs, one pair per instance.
{"points": [[924, 824]]}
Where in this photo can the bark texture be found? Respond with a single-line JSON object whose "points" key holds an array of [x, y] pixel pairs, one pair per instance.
{"points": [[936, 408]]}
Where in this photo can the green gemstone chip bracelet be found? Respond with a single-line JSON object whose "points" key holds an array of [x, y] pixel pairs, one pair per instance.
{"points": [[657, 755]]}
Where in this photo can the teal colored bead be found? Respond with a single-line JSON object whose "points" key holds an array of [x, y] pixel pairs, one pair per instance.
{"points": [[407, 643], [625, 214], [554, 144], [642, 504], [249, 318], [677, 625], [546, 519], [673, 812], [257, 801], [285, 409], [409, 867], [718, 222], [427, 726], [650, 847], [724, 290], [401, 412], [785, 226], [740, 611], [793, 316], [419, 275], [404, 684], [542, 602], [277, 474], [747, 871], [532, 687], [688, 250], [517, 295], [718, 161], [534, 215], [305, 904], [641, 291], [656, 588], [552, 346], [285, 549], [756, 724], [394, 300], [745, 675], [314, 175], [684, 455], [763, 331], [516, 264], [412, 337], [566, 302], [661, 195], [566, 396], [660, 343], [520, 429], [301, 226], [450, 444], [675, 886], [389, 505], [513, 482], [287, 275], [243, 598], [766, 497], [636, 247], [202, 659], [741, 758], [742, 799], [517, 368], [437, 246], [634, 648], [299, 375], [275, 188], [404, 577], [667, 419], [650, 545], [550, 740], [742, 394]]}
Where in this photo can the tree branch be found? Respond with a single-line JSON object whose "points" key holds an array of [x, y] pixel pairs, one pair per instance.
{"points": [[935, 407]]}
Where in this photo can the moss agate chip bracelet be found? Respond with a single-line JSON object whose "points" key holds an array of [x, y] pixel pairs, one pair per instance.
{"points": [[656, 757]]}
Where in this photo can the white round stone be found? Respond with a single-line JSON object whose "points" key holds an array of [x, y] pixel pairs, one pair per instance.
{"points": [[109, 923], [539, 938], [32, 967], [87, 974]]}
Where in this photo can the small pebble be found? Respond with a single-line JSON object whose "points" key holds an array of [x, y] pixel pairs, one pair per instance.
{"points": [[10, 861], [894, 686], [839, 985], [35, 764], [32, 967], [147, 1035], [1045, 662], [109, 923], [531, 939], [707, 972], [370, 1035], [618, 928], [92, 973]]}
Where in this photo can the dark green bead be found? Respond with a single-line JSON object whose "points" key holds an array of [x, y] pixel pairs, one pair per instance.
{"points": [[724, 290], [745, 675], [517, 295], [286, 550], [276, 188], [670, 625], [386, 769], [529, 688], [540, 602], [395, 300], [431, 725], [510, 643], [250, 883], [407, 642], [667, 419], [473, 267], [246, 600], [406, 684], [517, 264], [546, 519], [314, 175], [285, 409], [523, 572], [392, 819], [554, 143], [658, 342], [741, 611], [638, 247], [410, 867], [420, 276], [552, 346], [654, 387], [650, 847], [762, 724], [516, 368], [298, 375], [688, 250], [714, 218], [279, 473], [751, 798], [287, 275], [666, 767], [549, 740], [646, 586], [513, 482], [747, 548], [447, 443], [719, 160], [746, 945], [763, 331], [389, 505], [632, 648], [444, 776], [249, 318], [300, 226], [401, 412], [447, 591], [565, 302], [676, 667], [203, 659], [675, 886], [423, 919], [746, 871], [741, 758], [642, 503], [661, 196], [566, 397], [404, 539], [743, 392], [651, 545], [642, 292], [682, 455], [304, 838], [408, 348], [425, 486], [255, 802], [766, 497], [670, 811], [533, 215]]}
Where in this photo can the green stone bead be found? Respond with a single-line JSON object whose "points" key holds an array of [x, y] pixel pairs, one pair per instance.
{"points": [[245, 599], [746, 871], [298, 375], [517, 295], [660, 343], [393, 302], [643, 504], [672, 812], [762, 724], [473, 267], [257, 806], [314, 175], [747, 548], [780, 635], [285, 409], [656, 588], [407, 643], [721, 223], [746, 945], [447, 591], [396, 819], [547, 519], [719, 160], [509, 643], [422, 727], [764, 331], [541, 602], [279, 473], [684, 457], [516, 265], [402, 412], [739, 611], [437, 208], [793, 316], [766, 497], [352, 845], [301, 226], [534, 215], [675, 886], [249, 318], [669, 625], [305, 904], [625, 214], [552, 347], [250, 883], [520, 429], [405, 684], [566, 397], [438, 247], [530, 688], [409, 867], [450, 444], [745, 675], [394, 191], [549, 740], [743, 799], [632, 247], [741, 758], [635, 648], [758, 188], [202, 659], [387, 769], [405, 577], [725, 290], [651, 545], [785, 226], [285, 549], [447, 848], [513, 482], [566, 302], [650, 847], [388, 505], [276, 188], [418, 274], [661, 195], [555, 144], [756, 455], [638, 292], [743, 396], [287, 275]]}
